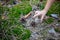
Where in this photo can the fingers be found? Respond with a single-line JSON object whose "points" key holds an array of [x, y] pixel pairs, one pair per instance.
{"points": [[42, 17], [36, 14]]}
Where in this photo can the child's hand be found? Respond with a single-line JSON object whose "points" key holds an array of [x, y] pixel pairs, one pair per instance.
{"points": [[40, 13]]}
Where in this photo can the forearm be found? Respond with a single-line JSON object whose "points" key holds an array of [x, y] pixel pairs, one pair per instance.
{"points": [[48, 4]]}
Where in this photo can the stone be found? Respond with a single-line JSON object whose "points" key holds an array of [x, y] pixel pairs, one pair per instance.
{"points": [[52, 32], [54, 16], [23, 20], [34, 36], [33, 24]]}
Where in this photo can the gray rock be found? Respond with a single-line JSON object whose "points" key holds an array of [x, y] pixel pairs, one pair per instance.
{"points": [[54, 15], [34, 36], [52, 32]]}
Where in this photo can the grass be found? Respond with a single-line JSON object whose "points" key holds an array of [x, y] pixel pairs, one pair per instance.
{"points": [[12, 27], [16, 30]]}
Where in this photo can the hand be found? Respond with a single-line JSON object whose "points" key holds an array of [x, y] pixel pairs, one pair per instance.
{"points": [[40, 13]]}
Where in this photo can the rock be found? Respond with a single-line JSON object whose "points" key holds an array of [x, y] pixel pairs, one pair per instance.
{"points": [[37, 20], [58, 39], [52, 32], [54, 16], [33, 24], [37, 33], [34, 36], [59, 35], [58, 25], [23, 20], [9, 6]]}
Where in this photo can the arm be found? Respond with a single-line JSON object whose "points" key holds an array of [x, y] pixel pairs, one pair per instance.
{"points": [[48, 4], [43, 12]]}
